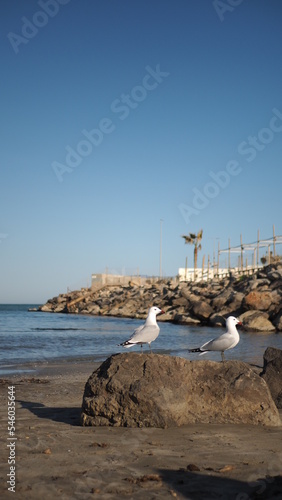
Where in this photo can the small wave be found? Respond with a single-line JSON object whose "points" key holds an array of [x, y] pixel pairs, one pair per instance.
{"points": [[56, 329]]}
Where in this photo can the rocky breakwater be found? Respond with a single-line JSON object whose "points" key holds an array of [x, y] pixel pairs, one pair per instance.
{"points": [[257, 299], [153, 390]]}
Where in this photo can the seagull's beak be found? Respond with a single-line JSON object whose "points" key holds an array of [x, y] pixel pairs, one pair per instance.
{"points": [[240, 323], [162, 312]]}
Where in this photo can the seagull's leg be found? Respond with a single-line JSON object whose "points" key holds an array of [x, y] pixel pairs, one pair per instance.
{"points": [[141, 348], [222, 356], [149, 344]]}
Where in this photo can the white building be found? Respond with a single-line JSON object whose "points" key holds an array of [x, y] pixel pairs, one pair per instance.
{"points": [[187, 274]]}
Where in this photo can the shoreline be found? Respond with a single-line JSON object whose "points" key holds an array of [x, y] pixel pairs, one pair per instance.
{"points": [[55, 456], [48, 368], [68, 365]]}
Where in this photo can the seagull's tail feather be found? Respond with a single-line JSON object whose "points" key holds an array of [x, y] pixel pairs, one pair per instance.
{"points": [[126, 344], [201, 351]]}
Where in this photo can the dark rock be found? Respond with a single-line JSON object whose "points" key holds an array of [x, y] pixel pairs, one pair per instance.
{"points": [[277, 321], [217, 320], [181, 301], [259, 283], [272, 373], [151, 390], [236, 302], [185, 319], [275, 274], [93, 309], [189, 296], [222, 299], [276, 285], [202, 310]]}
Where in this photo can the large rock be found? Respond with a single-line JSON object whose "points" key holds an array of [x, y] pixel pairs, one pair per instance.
{"points": [[262, 284], [272, 373], [217, 320], [151, 390], [258, 300], [202, 310], [185, 319], [278, 321], [257, 321], [47, 308], [222, 299]]}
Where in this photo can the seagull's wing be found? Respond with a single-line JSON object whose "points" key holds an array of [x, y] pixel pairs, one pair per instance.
{"points": [[137, 330], [221, 343], [145, 334]]}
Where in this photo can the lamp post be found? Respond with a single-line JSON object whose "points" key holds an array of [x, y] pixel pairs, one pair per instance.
{"points": [[161, 221]]}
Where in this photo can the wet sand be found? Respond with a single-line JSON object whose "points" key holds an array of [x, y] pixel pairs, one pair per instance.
{"points": [[57, 458]]}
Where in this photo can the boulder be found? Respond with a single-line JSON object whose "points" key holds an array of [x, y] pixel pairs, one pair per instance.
{"points": [[278, 321], [257, 300], [276, 285], [236, 300], [168, 316], [259, 283], [272, 373], [222, 299], [257, 321], [92, 309], [275, 274], [190, 297], [153, 390], [202, 310], [217, 320], [60, 308], [180, 301], [46, 308], [185, 319]]}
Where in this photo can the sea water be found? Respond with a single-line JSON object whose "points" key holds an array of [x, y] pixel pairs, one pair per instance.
{"points": [[33, 337]]}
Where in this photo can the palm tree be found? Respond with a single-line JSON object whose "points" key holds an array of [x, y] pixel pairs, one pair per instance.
{"points": [[194, 239]]}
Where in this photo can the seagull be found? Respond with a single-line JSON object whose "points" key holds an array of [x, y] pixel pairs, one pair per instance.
{"points": [[147, 333], [226, 341]]}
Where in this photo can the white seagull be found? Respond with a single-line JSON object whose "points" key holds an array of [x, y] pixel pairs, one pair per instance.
{"points": [[226, 341], [147, 333]]}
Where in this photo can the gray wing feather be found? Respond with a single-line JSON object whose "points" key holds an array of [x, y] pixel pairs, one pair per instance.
{"points": [[222, 343], [145, 334]]}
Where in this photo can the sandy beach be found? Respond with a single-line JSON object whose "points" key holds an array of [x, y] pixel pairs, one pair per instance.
{"points": [[57, 458]]}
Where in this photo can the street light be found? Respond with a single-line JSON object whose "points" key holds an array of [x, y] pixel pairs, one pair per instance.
{"points": [[161, 221]]}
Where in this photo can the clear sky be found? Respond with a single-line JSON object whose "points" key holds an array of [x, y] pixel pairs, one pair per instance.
{"points": [[117, 114]]}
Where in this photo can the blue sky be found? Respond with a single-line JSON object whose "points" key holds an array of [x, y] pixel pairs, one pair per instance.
{"points": [[169, 91]]}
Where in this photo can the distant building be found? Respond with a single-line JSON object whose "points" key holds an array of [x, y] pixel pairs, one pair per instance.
{"points": [[109, 279], [119, 279], [187, 274]]}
